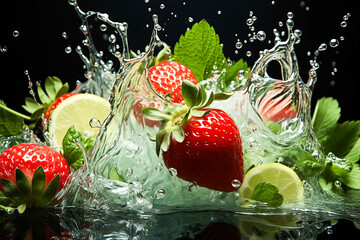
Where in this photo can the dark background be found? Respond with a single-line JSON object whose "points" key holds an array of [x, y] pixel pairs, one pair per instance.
{"points": [[40, 46]]}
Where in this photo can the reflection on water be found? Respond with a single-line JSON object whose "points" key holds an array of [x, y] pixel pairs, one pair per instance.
{"points": [[77, 223]]}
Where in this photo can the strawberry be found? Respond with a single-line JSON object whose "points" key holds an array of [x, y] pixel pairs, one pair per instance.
{"points": [[275, 107], [167, 77], [31, 175], [56, 103], [203, 145]]}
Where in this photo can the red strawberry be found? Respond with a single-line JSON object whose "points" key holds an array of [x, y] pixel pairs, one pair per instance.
{"points": [[275, 107], [211, 153], [203, 145], [31, 174], [56, 103], [167, 77]]}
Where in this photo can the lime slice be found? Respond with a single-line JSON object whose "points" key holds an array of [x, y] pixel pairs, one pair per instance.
{"points": [[77, 110], [284, 178]]}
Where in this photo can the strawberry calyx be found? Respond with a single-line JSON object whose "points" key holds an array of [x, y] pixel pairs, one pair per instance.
{"points": [[172, 117], [24, 194]]}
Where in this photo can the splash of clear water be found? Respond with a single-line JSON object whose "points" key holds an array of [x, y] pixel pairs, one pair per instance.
{"points": [[124, 149]]}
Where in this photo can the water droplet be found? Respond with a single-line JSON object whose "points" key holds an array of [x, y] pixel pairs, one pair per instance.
{"points": [[347, 16], [26, 72], [248, 53], [16, 33], [190, 19], [3, 48], [72, 2], [147, 1], [290, 15], [64, 35], [160, 194], [128, 172], [337, 183], [272, 2], [261, 35], [112, 38], [159, 167], [343, 24], [241, 74], [219, 12], [322, 47], [149, 9], [103, 27], [238, 45], [192, 186], [95, 123], [249, 21], [334, 43], [173, 172], [236, 183], [281, 24], [68, 50], [162, 6]]}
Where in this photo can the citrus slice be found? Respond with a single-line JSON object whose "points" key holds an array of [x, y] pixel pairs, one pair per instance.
{"points": [[284, 178], [77, 110]]}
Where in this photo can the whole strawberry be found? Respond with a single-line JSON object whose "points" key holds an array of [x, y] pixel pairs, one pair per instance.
{"points": [[203, 145], [31, 175], [167, 77]]}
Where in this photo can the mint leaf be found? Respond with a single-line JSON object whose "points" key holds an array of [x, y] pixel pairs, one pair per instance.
{"points": [[268, 193], [342, 138], [230, 80], [274, 127], [325, 117], [200, 50], [71, 152], [10, 123]]}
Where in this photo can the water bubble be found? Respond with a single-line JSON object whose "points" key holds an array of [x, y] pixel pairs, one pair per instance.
{"points": [[236, 52], [26, 72], [229, 62], [103, 27], [322, 47], [261, 35], [302, 4], [68, 50], [219, 12], [149, 9], [334, 43], [173, 172], [190, 19], [162, 6], [238, 45], [347, 16], [281, 24], [272, 2], [16, 33], [342, 38], [159, 167], [343, 24], [160, 194], [72, 2], [290, 15], [248, 53], [147, 1], [236, 183], [128, 172]]}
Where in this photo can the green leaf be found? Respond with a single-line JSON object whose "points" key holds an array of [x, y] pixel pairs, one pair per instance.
{"points": [[178, 134], [64, 89], [342, 138], [44, 98], [50, 190], [352, 179], [190, 93], [10, 123], [325, 117], [71, 152], [4, 200], [154, 114], [38, 182], [274, 127], [31, 105], [21, 208], [231, 77], [354, 154], [268, 193], [23, 183], [11, 191], [200, 50], [114, 175]]}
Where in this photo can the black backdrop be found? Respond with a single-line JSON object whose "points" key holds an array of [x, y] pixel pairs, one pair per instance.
{"points": [[40, 46]]}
